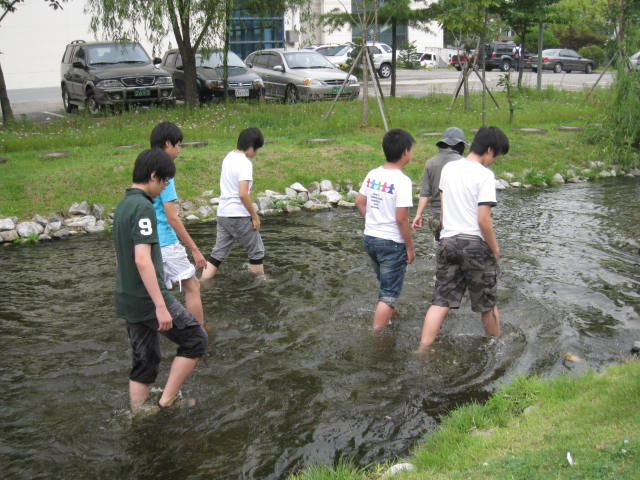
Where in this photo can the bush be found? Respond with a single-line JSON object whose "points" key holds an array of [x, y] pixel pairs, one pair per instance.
{"points": [[409, 57], [593, 52]]}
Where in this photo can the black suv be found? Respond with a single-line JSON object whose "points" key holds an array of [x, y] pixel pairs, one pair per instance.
{"points": [[110, 74], [499, 55]]}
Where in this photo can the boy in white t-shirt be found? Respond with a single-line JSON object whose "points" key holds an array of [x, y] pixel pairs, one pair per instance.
{"points": [[384, 200], [468, 251], [237, 218]]}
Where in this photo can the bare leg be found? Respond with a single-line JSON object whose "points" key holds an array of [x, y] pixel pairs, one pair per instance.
{"points": [[382, 315], [209, 271], [181, 368], [256, 270], [192, 298], [138, 393], [431, 326], [491, 322]]}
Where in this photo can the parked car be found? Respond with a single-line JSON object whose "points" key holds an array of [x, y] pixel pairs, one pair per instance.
{"points": [[241, 82], [559, 59], [381, 53], [429, 60], [634, 61], [338, 55], [459, 60], [499, 55], [294, 75], [103, 74]]}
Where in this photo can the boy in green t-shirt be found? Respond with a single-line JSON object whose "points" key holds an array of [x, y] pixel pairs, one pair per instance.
{"points": [[141, 297]]}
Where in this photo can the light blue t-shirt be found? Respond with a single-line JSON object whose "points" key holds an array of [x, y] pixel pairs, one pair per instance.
{"points": [[166, 234]]}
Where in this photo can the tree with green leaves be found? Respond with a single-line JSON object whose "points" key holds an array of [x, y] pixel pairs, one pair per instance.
{"points": [[194, 23], [522, 15], [7, 7]]}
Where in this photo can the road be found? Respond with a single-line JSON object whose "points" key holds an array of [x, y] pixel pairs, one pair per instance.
{"points": [[43, 104]]}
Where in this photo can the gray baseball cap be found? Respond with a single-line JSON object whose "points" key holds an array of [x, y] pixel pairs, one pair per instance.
{"points": [[453, 136]]}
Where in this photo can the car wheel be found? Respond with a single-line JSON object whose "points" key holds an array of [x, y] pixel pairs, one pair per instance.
{"points": [[557, 68], [506, 66], [588, 68], [385, 70], [68, 107], [91, 104], [291, 95]]}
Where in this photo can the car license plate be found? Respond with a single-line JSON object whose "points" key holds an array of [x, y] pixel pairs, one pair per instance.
{"points": [[242, 92], [141, 92]]}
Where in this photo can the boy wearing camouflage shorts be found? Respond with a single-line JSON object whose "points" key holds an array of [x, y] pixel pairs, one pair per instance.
{"points": [[468, 251]]}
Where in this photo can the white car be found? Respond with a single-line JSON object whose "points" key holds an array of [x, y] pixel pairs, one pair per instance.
{"points": [[429, 60], [634, 60], [380, 52]]}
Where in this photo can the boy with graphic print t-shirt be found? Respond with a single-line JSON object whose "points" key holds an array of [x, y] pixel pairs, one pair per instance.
{"points": [[384, 200], [141, 297]]}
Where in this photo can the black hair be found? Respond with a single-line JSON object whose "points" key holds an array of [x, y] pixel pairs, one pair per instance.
{"points": [[395, 142], [153, 160], [490, 137], [250, 137], [163, 132]]}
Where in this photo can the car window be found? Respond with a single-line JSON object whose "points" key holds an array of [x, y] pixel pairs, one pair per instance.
{"points": [[117, 53], [79, 55], [170, 60], [258, 59], [330, 50], [216, 59], [66, 58], [374, 50], [307, 60], [386, 48], [272, 59]]}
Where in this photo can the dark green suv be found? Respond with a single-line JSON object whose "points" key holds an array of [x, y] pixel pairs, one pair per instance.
{"points": [[103, 74]]}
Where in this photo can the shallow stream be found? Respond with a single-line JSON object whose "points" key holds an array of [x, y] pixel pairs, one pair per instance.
{"points": [[293, 375]]}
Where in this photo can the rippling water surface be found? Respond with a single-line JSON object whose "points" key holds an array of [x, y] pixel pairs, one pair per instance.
{"points": [[293, 375]]}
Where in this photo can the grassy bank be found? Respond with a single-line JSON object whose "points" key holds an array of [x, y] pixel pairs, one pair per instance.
{"points": [[585, 427], [97, 170]]}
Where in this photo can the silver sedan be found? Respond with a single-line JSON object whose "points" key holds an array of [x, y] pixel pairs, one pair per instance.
{"points": [[295, 75], [559, 59]]}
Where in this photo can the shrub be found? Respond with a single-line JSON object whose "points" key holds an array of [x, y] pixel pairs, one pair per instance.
{"points": [[409, 57], [594, 52]]}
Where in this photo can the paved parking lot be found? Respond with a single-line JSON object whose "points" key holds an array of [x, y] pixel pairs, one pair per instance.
{"points": [[40, 104]]}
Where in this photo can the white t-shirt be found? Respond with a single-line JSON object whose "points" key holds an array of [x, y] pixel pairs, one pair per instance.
{"points": [[386, 190], [465, 185], [236, 167]]}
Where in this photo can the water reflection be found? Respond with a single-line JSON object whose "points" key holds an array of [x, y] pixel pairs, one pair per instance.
{"points": [[294, 376]]}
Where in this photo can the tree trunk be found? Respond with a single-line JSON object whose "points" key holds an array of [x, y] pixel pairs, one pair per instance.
{"points": [[539, 62], [189, 65], [394, 46], [7, 113]]}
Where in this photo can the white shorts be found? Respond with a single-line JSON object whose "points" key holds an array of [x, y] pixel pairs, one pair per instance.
{"points": [[176, 264]]}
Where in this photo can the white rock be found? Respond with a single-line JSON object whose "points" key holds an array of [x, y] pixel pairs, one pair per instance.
{"points": [[326, 185], [292, 208], [7, 224], [290, 192], [94, 228], [557, 179], [204, 211], [80, 222], [26, 229], [214, 201], [298, 187], [8, 235], [207, 193], [315, 206], [331, 196], [303, 196], [271, 193], [516, 184], [61, 233], [192, 217], [397, 468], [501, 184], [79, 208], [345, 204]]}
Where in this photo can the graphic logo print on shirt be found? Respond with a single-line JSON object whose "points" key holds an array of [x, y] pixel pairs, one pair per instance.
{"points": [[381, 187]]}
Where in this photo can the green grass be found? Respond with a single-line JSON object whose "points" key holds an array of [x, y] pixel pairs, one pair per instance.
{"points": [[98, 172], [525, 430]]}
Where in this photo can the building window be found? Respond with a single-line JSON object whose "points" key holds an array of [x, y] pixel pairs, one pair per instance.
{"points": [[248, 33]]}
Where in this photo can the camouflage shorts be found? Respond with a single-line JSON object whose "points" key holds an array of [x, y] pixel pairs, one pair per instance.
{"points": [[466, 262], [434, 223]]}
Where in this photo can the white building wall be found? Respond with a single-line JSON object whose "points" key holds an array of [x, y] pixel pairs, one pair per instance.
{"points": [[34, 37]]}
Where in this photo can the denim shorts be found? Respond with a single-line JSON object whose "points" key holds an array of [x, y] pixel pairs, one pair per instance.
{"points": [[144, 337], [389, 261]]}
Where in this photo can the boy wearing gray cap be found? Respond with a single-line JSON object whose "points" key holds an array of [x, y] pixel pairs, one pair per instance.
{"points": [[451, 148]]}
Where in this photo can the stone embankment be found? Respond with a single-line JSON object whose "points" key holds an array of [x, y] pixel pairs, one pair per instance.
{"points": [[324, 195]]}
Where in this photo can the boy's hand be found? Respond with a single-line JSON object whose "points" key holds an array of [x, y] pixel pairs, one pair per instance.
{"points": [[256, 222], [417, 223], [411, 255], [201, 262], [164, 318]]}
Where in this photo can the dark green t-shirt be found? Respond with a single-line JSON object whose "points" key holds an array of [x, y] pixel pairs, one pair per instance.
{"points": [[134, 223]]}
